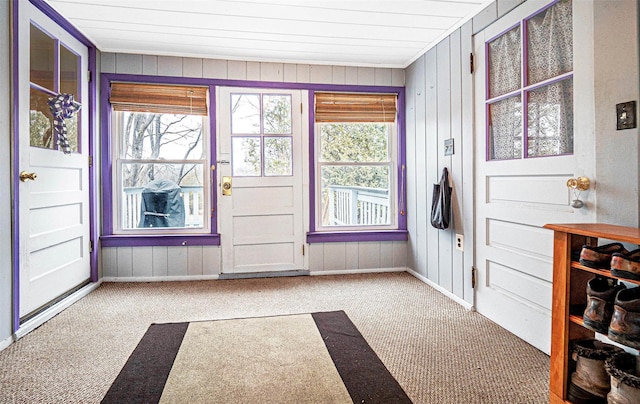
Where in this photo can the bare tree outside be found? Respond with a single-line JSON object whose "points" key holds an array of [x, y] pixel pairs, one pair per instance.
{"points": [[161, 137]]}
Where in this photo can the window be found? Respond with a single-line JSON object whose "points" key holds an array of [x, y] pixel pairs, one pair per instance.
{"points": [[355, 161], [55, 71], [261, 135], [160, 159], [530, 87]]}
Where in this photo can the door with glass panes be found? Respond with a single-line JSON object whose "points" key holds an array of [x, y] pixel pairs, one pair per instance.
{"points": [[53, 186], [259, 172], [526, 150]]}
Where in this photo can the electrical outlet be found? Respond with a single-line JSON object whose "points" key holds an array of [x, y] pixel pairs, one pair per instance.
{"points": [[459, 242]]}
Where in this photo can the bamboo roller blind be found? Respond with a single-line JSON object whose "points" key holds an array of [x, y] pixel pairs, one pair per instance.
{"points": [[355, 107], [158, 98]]}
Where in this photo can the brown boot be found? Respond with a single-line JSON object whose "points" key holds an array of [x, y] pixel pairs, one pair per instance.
{"points": [[625, 322], [590, 382], [626, 265], [601, 292], [600, 257], [625, 379]]}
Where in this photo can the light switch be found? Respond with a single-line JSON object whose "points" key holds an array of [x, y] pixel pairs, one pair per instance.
{"points": [[626, 115]]}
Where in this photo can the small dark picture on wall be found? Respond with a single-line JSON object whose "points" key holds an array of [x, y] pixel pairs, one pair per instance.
{"points": [[626, 115]]}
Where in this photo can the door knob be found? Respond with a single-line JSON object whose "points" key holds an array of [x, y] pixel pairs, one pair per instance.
{"points": [[25, 176]]}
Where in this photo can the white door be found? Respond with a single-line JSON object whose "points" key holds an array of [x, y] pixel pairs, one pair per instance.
{"points": [[260, 180], [54, 205], [520, 187]]}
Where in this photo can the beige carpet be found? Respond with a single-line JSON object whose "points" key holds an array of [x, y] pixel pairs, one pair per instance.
{"points": [[254, 362], [438, 351]]}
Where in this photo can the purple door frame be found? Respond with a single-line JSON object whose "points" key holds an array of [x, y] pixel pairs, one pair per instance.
{"points": [[93, 230]]}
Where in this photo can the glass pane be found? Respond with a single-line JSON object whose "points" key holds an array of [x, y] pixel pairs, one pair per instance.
{"points": [[505, 129], [277, 156], [505, 63], [354, 142], [161, 136], [162, 195], [355, 195], [246, 160], [550, 115], [276, 112], [42, 59], [72, 131], [550, 42], [69, 73], [245, 114], [40, 121]]}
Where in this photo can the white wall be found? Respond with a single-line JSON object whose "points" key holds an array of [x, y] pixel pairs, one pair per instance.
{"points": [[6, 267], [205, 262], [615, 64], [606, 72], [439, 90], [252, 71]]}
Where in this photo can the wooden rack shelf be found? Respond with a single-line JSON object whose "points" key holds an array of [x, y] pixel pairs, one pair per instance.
{"points": [[569, 291]]}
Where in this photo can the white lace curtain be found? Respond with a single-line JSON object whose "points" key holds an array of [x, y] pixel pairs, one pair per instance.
{"points": [[549, 108]]}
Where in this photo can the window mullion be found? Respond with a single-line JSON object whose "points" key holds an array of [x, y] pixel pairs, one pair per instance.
{"points": [[159, 161]]}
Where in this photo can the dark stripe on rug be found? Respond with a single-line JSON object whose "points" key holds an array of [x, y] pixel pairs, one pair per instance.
{"points": [[366, 378], [143, 377]]}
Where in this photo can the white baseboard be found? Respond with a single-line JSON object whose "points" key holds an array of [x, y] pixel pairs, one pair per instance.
{"points": [[4, 344], [442, 290], [160, 278], [358, 271], [54, 310]]}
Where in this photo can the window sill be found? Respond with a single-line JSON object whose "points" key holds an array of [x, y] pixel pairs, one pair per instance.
{"points": [[160, 240], [355, 236]]}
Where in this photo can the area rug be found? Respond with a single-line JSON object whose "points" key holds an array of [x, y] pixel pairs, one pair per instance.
{"points": [[305, 358]]}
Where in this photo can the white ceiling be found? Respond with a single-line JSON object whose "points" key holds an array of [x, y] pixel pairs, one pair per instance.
{"points": [[354, 33]]}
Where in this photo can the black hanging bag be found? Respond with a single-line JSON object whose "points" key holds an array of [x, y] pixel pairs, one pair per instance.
{"points": [[441, 202]]}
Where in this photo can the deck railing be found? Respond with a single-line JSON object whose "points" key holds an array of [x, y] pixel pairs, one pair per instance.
{"points": [[345, 206], [350, 206], [191, 196]]}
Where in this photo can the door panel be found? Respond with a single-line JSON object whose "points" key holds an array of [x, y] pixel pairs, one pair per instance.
{"points": [[261, 221], [54, 207], [516, 196]]}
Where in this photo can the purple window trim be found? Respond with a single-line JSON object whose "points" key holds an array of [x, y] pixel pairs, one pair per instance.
{"points": [[48, 11], [213, 102], [524, 89], [364, 235], [351, 236], [160, 240], [107, 167], [313, 236]]}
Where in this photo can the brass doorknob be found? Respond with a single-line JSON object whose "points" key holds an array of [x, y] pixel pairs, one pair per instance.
{"points": [[25, 176]]}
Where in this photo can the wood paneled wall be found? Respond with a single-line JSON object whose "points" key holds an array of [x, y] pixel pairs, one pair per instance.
{"points": [[439, 90], [190, 262], [204, 262], [250, 71]]}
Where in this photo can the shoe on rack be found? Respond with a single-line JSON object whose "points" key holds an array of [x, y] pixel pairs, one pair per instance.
{"points": [[590, 382], [625, 378], [600, 257], [626, 265], [601, 293], [625, 322]]}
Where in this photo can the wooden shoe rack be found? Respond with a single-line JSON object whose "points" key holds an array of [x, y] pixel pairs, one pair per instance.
{"points": [[569, 292]]}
